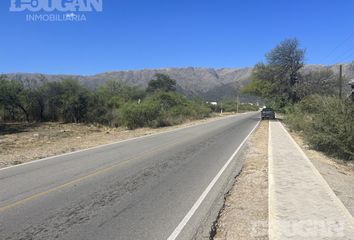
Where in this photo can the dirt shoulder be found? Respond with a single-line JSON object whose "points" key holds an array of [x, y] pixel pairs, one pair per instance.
{"points": [[21, 143], [339, 174], [245, 214]]}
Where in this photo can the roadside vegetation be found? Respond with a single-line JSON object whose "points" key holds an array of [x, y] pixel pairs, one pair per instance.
{"points": [[113, 104], [309, 101], [327, 124]]}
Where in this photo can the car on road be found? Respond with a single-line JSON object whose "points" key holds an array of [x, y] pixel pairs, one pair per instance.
{"points": [[267, 113]]}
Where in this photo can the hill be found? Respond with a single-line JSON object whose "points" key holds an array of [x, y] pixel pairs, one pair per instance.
{"points": [[208, 83]]}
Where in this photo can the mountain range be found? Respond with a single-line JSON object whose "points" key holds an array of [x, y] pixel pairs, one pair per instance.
{"points": [[208, 83]]}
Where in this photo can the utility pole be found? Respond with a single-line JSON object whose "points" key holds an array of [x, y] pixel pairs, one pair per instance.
{"points": [[340, 80], [238, 102]]}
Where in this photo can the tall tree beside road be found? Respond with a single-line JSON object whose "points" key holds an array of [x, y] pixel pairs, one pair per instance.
{"points": [[75, 100], [276, 79]]}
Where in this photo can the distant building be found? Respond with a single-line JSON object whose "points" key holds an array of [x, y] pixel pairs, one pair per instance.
{"points": [[351, 83], [213, 103]]}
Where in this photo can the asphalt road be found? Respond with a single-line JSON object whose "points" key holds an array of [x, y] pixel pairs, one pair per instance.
{"points": [[156, 187]]}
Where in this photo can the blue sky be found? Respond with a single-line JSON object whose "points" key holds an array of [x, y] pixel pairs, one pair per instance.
{"points": [[134, 34]]}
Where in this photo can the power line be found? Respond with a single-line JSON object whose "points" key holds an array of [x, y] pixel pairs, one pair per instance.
{"points": [[343, 56], [337, 47], [346, 56]]}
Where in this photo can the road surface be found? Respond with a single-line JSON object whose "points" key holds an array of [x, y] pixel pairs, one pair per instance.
{"points": [[164, 186]]}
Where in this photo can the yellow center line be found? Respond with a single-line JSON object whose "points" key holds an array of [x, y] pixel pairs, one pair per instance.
{"points": [[95, 173]]}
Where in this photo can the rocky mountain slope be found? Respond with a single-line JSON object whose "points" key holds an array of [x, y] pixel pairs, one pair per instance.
{"points": [[211, 84]]}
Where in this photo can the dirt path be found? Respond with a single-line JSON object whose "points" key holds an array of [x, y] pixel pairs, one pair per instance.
{"points": [[245, 215]]}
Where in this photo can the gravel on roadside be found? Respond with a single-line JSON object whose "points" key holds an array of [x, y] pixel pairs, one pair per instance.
{"points": [[245, 213]]}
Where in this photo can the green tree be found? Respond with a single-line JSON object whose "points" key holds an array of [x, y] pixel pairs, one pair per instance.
{"points": [[276, 79], [66, 101], [53, 92], [13, 96], [162, 82], [35, 99], [75, 100], [109, 98]]}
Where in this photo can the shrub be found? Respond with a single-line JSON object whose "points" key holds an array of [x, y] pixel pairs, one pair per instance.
{"points": [[135, 115], [162, 109], [113, 103], [327, 124]]}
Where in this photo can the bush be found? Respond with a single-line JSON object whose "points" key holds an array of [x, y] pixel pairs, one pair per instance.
{"points": [[160, 110], [113, 103], [327, 124], [135, 115]]}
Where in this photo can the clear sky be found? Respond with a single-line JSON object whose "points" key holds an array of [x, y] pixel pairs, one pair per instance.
{"points": [[137, 34]]}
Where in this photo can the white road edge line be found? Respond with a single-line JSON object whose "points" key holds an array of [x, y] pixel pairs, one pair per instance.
{"points": [[196, 205], [121, 141], [330, 192]]}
